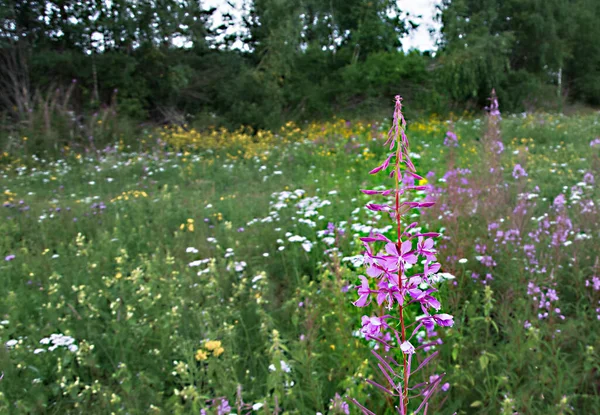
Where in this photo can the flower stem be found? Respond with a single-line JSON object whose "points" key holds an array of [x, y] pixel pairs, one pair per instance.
{"points": [[404, 396]]}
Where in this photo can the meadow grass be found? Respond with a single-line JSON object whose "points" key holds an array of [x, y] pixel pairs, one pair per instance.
{"points": [[200, 268]]}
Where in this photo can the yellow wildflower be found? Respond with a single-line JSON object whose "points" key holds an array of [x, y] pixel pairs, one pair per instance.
{"points": [[201, 355], [212, 345]]}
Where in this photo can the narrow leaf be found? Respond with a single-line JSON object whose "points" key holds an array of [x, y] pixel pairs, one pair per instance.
{"points": [[363, 409], [383, 388]]}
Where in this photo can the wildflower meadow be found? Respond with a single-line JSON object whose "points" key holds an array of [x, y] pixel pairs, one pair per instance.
{"points": [[227, 272]]}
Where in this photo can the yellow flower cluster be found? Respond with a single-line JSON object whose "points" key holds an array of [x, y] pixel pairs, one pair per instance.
{"points": [[130, 194], [238, 143], [201, 355], [245, 143], [189, 225], [432, 126], [9, 196], [211, 346]]}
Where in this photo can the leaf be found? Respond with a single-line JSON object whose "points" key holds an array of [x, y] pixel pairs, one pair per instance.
{"points": [[484, 361], [476, 404], [455, 353]]}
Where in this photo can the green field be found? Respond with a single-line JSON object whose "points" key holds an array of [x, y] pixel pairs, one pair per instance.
{"points": [[175, 278]]}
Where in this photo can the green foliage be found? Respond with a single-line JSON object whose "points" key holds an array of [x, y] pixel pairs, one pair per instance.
{"points": [[584, 68], [293, 61], [119, 281], [521, 48]]}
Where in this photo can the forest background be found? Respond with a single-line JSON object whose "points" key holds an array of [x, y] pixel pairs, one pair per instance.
{"points": [[168, 62]]}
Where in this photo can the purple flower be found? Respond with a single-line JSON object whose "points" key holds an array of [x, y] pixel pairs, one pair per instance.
{"points": [[389, 292], [223, 407], [9, 257], [425, 298], [519, 172], [559, 201], [425, 248], [451, 139], [431, 268], [594, 283], [339, 405], [371, 326], [363, 292], [499, 147], [406, 254], [407, 347], [444, 320], [494, 108], [487, 260], [330, 229]]}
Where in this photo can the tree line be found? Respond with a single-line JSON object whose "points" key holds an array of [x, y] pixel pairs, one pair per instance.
{"points": [[165, 61]]}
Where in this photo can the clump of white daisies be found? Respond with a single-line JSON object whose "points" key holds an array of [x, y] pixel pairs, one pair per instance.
{"points": [[57, 340]]}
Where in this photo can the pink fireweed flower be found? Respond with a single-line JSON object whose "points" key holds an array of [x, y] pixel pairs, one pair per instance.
{"points": [[389, 292], [389, 261], [431, 269], [406, 254], [425, 248], [363, 292], [371, 326], [407, 348], [425, 299], [442, 320]]}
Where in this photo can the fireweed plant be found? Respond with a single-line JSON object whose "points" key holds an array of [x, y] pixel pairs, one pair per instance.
{"points": [[493, 146], [396, 288]]}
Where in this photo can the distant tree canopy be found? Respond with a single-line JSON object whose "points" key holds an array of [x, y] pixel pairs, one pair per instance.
{"points": [[294, 60], [527, 49]]}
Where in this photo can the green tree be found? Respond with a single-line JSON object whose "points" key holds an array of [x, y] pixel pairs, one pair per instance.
{"points": [[517, 46]]}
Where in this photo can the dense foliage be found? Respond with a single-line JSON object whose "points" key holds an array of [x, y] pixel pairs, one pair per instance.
{"points": [[165, 61]]}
